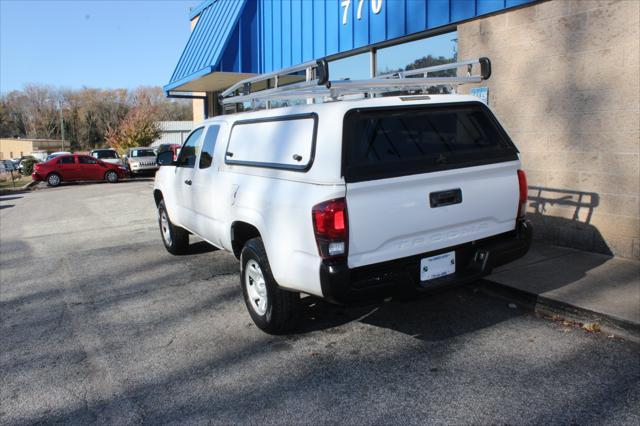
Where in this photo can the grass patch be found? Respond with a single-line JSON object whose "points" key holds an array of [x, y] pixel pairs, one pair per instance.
{"points": [[19, 181]]}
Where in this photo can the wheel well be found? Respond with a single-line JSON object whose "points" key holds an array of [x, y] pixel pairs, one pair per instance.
{"points": [[241, 232], [53, 173], [157, 195]]}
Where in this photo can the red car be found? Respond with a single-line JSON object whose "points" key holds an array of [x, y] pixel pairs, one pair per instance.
{"points": [[76, 167]]}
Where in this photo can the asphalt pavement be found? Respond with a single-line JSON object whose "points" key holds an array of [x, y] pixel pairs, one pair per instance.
{"points": [[100, 324]]}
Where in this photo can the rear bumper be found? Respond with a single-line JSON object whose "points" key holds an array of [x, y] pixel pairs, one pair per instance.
{"points": [[36, 176], [473, 261]]}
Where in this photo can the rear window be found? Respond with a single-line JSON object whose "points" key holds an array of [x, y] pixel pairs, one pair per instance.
{"points": [[389, 142], [105, 154], [280, 142]]}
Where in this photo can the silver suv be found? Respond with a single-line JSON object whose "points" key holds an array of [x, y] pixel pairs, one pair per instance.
{"points": [[141, 160]]}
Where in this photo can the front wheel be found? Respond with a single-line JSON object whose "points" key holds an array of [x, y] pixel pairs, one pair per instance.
{"points": [[111, 176], [271, 308], [175, 238]]}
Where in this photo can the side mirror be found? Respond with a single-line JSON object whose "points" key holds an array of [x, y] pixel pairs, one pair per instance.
{"points": [[165, 158]]}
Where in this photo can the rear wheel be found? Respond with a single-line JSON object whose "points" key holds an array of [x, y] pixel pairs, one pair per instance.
{"points": [[175, 238], [53, 179], [111, 176], [271, 308]]}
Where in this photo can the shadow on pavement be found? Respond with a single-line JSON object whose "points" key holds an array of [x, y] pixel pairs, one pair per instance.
{"points": [[9, 198], [433, 316]]}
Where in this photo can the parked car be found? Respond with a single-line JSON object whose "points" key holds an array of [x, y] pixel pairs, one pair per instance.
{"points": [[56, 154], [6, 166], [76, 168], [348, 200], [174, 148], [107, 155], [141, 160]]}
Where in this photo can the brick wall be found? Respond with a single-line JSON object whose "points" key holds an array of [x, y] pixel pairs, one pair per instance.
{"points": [[566, 86]]}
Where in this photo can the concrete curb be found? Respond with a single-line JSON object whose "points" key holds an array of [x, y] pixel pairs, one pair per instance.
{"points": [[550, 307], [29, 185]]}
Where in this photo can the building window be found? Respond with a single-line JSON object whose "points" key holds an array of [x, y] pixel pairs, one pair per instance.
{"points": [[436, 50], [357, 67]]}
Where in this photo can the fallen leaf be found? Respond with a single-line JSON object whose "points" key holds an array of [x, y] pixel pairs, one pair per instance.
{"points": [[592, 327]]}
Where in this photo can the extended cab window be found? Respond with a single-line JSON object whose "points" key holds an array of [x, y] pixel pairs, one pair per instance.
{"points": [[280, 142], [397, 141], [188, 153], [206, 155]]}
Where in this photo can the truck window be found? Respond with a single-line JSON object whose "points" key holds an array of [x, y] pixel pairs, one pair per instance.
{"points": [[206, 155], [188, 153], [280, 142], [397, 141]]}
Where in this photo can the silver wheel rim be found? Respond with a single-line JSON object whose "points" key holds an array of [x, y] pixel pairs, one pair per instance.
{"points": [[54, 180], [165, 227], [256, 287], [111, 176]]}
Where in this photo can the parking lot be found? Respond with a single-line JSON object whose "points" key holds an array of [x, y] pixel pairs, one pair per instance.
{"points": [[101, 324]]}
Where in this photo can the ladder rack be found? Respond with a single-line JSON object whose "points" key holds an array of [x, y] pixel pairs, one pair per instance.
{"points": [[316, 83]]}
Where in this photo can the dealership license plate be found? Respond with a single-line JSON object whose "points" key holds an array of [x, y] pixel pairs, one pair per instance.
{"points": [[437, 266]]}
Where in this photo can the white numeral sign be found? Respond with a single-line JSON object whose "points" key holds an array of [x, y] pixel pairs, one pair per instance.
{"points": [[376, 7]]}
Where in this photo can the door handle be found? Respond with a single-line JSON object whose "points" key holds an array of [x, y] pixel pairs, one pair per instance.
{"points": [[445, 198], [188, 182]]}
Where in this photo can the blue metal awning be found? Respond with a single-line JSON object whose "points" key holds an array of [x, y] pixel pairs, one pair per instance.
{"points": [[234, 39], [204, 53]]}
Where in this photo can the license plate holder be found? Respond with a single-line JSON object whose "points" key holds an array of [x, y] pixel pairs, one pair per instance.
{"points": [[437, 266]]}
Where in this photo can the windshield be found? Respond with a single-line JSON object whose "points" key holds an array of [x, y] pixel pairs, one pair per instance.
{"points": [[142, 153], [104, 154]]}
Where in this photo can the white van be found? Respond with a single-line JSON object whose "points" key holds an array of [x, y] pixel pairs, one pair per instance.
{"points": [[350, 199]]}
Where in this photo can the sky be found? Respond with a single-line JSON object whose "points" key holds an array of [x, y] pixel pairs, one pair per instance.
{"points": [[107, 44], [114, 44]]}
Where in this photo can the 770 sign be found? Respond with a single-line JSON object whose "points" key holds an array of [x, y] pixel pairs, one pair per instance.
{"points": [[376, 6]]}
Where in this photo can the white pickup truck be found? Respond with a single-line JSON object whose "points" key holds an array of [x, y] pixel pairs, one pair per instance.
{"points": [[349, 199]]}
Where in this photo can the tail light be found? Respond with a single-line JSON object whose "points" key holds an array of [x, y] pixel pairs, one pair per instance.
{"points": [[330, 224], [522, 202]]}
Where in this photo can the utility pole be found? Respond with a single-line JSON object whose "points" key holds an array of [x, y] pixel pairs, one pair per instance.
{"points": [[61, 122]]}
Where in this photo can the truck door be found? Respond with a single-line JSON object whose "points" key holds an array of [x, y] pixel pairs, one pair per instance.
{"points": [[184, 170], [206, 199]]}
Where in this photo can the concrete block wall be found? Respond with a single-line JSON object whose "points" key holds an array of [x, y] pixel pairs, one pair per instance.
{"points": [[566, 86]]}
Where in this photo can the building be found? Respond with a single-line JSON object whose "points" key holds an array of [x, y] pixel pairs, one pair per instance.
{"points": [[173, 132], [15, 148], [565, 84]]}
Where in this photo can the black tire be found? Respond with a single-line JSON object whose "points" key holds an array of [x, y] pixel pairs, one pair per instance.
{"points": [[54, 179], [111, 176], [281, 306], [175, 238]]}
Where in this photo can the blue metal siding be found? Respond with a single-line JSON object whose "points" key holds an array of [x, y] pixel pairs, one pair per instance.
{"points": [[263, 35]]}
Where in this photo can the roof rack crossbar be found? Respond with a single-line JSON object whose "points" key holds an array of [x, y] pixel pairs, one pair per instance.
{"points": [[317, 84]]}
